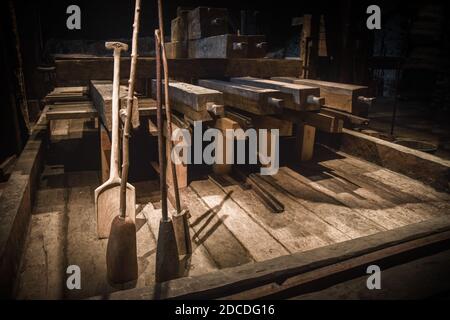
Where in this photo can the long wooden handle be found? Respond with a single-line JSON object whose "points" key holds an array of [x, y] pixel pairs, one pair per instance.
{"points": [[126, 130], [114, 164], [167, 105]]}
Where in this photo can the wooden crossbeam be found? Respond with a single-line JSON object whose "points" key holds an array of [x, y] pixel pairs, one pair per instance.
{"points": [[339, 96], [255, 100], [296, 96]]}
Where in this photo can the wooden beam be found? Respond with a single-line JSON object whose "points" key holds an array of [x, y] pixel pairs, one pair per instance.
{"points": [[296, 96], [251, 99], [223, 124], [306, 135], [196, 97], [222, 46], [84, 111], [339, 96], [76, 69]]}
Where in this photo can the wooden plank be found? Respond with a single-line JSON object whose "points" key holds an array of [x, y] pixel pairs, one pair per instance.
{"points": [[222, 46], [418, 165], [351, 267], [306, 135], [246, 277], [209, 230], [384, 192], [71, 112], [388, 217], [259, 244], [297, 96], [194, 96], [206, 22], [287, 228], [81, 71], [251, 99], [339, 96], [322, 214]]}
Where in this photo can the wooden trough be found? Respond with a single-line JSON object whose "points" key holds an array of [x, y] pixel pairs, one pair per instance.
{"points": [[358, 201]]}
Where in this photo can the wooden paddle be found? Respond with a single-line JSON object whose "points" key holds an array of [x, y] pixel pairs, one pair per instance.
{"points": [[107, 196], [121, 253]]}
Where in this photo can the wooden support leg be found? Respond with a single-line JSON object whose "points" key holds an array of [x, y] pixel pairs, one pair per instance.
{"points": [[221, 153], [305, 140], [105, 152], [182, 169]]}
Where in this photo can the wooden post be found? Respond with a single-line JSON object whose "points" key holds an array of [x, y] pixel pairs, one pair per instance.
{"points": [[305, 140], [223, 124], [182, 169], [105, 151]]}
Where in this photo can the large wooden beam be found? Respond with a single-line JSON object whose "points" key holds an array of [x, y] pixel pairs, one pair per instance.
{"points": [[251, 99], [222, 46], [296, 96], [339, 96], [79, 70], [206, 22], [197, 97], [195, 102]]}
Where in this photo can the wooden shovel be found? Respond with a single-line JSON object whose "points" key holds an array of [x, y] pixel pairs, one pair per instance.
{"points": [[107, 196]]}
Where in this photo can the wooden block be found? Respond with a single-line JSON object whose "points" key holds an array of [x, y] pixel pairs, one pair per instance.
{"points": [[296, 96], [206, 22], [179, 29], [101, 93], [152, 128], [337, 95], [257, 46], [251, 99], [176, 49], [305, 140], [105, 152], [222, 46], [182, 169], [196, 97], [223, 124]]}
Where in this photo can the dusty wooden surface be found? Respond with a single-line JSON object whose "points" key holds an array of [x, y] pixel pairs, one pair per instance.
{"points": [[330, 200]]}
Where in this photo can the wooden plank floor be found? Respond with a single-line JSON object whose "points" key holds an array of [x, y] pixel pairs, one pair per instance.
{"points": [[332, 199]]}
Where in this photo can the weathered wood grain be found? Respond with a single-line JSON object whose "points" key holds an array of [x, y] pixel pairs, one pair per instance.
{"points": [[222, 46], [337, 95], [296, 95], [251, 99]]}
